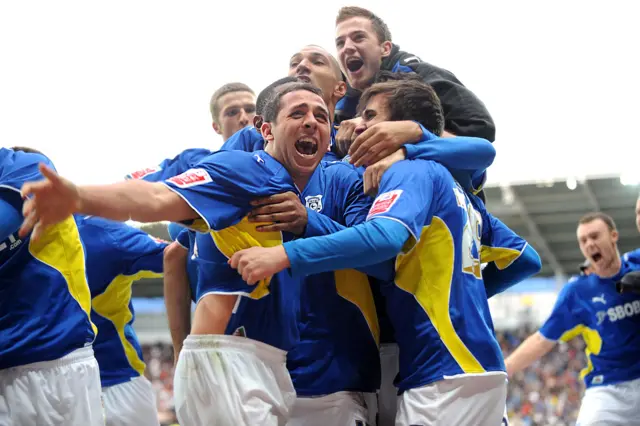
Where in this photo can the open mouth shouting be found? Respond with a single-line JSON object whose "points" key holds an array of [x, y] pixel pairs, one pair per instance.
{"points": [[354, 64], [307, 147]]}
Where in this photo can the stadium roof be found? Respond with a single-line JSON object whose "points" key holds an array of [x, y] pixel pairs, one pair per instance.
{"points": [[546, 214]]}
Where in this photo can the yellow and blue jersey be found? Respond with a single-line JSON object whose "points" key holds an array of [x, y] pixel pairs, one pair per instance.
{"points": [[219, 189], [339, 331], [44, 295], [117, 256], [437, 303], [608, 321]]}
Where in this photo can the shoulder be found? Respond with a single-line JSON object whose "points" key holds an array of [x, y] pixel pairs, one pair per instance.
{"points": [[422, 168], [17, 167], [245, 139], [340, 169]]}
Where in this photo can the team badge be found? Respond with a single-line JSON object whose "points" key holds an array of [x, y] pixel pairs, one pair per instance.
{"points": [[314, 202]]}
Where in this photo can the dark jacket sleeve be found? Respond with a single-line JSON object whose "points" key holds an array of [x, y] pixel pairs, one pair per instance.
{"points": [[464, 113]]}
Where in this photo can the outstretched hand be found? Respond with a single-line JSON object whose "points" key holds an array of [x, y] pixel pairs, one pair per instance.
{"points": [[47, 202], [259, 263]]}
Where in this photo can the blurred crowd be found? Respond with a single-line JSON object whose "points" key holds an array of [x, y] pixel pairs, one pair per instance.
{"points": [[547, 394]]}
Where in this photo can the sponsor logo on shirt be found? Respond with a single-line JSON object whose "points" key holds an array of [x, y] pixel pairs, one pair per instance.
{"points": [[192, 177], [384, 202], [619, 312], [145, 172]]}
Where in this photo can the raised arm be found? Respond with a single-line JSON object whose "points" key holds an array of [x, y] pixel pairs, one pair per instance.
{"points": [[56, 198]]}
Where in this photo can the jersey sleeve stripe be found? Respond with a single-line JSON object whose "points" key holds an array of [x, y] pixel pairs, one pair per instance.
{"points": [[503, 257]]}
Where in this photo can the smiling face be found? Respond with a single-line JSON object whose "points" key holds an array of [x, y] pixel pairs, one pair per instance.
{"points": [[299, 136], [360, 52], [598, 244]]}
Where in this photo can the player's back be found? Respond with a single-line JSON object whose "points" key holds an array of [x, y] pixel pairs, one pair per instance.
{"points": [[438, 305], [339, 333], [117, 255], [44, 295]]}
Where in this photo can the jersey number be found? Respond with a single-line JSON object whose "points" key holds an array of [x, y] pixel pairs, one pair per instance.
{"points": [[471, 242]]}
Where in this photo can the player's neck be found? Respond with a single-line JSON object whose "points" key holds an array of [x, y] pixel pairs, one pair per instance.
{"points": [[612, 269]]}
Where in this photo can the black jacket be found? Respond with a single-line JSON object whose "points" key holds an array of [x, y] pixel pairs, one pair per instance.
{"points": [[464, 113]]}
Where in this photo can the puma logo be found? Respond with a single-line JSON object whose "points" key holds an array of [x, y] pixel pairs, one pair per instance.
{"points": [[600, 299]]}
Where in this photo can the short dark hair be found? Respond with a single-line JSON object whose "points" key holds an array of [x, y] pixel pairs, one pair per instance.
{"points": [[272, 108], [379, 26], [27, 150], [408, 100], [385, 75], [590, 217], [267, 93], [214, 108]]}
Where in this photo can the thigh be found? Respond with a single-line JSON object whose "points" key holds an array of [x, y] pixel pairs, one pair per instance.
{"points": [[465, 401], [130, 404]]}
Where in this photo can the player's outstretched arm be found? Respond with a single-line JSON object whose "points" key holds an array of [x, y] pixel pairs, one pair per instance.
{"points": [[366, 244], [55, 198], [533, 348], [177, 295]]}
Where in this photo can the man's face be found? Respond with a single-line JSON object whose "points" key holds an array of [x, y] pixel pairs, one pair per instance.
{"points": [[598, 244], [360, 53], [312, 65], [237, 110], [638, 214], [299, 137], [376, 111]]}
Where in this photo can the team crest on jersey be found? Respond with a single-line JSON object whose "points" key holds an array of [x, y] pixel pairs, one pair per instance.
{"points": [[145, 172], [240, 332], [192, 177], [384, 202], [314, 202]]}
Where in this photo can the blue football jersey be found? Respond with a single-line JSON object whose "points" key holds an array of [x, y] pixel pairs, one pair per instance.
{"points": [[246, 139], [117, 255], [438, 304], [44, 296], [220, 189], [171, 166], [608, 321], [339, 334]]}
